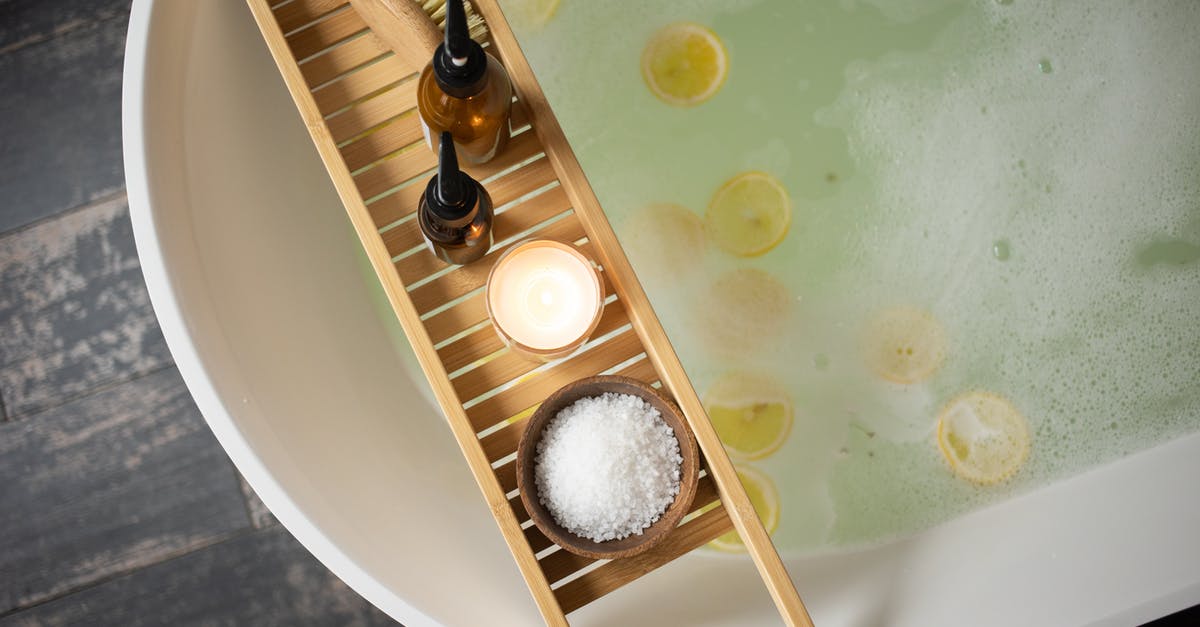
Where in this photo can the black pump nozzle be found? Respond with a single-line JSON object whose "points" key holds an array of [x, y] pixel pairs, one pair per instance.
{"points": [[450, 184], [451, 194], [459, 65], [458, 38]]}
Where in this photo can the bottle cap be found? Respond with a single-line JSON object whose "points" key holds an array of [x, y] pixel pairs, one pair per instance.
{"points": [[459, 64], [451, 194]]}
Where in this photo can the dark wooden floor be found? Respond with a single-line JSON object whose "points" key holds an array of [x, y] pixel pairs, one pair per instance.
{"points": [[117, 506]]}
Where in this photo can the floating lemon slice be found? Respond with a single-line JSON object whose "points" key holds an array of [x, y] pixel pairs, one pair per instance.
{"points": [[765, 499], [684, 64], [751, 413], [985, 438], [749, 214], [904, 344], [745, 310], [666, 238], [533, 12]]}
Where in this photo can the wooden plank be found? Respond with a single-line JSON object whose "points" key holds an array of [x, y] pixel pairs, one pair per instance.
{"points": [[472, 276], [404, 131], [403, 170], [403, 202], [418, 162], [37, 22], [531, 392], [520, 117], [649, 329], [79, 261], [406, 236], [562, 564], [360, 84], [343, 59], [506, 475], [86, 497], [517, 506], [295, 15], [325, 33], [706, 494], [536, 539], [616, 573], [260, 578], [509, 366], [642, 370], [467, 349], [60, 131], [371, 113], [448, 323], [519, 219], [409, 318]]}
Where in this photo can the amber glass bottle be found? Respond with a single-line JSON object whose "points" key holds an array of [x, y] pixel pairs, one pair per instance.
{"points": [[455, 212], [465, 91]]}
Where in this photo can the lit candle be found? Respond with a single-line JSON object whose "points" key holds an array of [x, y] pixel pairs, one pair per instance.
{"points": [[544, 298]]}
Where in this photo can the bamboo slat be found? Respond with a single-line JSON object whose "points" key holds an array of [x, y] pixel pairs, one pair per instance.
{"points": [[357, 101], [340, 60]]}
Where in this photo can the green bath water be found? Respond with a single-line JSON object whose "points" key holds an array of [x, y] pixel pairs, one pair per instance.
{"points": [[1027, 172]]}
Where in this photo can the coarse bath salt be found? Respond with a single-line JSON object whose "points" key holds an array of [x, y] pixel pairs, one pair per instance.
{"points": [[607, 466]]}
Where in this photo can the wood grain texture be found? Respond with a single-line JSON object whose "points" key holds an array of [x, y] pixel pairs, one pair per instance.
{"points": [[60, 118], [612, 575], [371, 113], [449, 322], [504, 188], [112, 482], [74, 312], [511, 366], [531, 392], [408, 315], [293, 15], [360, 84], [27, 22], [320, 35], [403, 25], [260, 516], [345, 58], [262, 578]]}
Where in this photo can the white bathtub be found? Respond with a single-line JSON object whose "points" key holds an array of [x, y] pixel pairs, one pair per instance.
{"points": [[255, 277]]}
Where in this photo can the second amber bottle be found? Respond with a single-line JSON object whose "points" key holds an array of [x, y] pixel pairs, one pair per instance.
{"points": [[455, 212], [465, 91]]}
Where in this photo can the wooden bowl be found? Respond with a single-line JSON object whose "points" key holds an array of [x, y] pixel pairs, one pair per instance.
{"points": [[689, 471]]}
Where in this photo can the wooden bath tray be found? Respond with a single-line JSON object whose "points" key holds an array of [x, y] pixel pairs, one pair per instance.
{"points": [[358, 101]]}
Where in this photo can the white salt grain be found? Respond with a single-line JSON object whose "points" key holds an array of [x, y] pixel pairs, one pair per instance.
{"points": [[607, 466]]}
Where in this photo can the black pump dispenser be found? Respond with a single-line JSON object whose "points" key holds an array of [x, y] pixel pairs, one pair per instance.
{"points": [[459, 64], [455, 212], [451, 194]]}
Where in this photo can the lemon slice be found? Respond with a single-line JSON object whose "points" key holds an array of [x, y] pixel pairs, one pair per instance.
{"points": [[744, 310], [765, 499], [751, 413], [664, 239], [749, 214], [985, 438], [684, 64], [533, 12], [904, 344]]}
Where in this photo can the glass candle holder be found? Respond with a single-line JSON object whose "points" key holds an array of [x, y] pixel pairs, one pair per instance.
{"points": [[544, 298]]}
